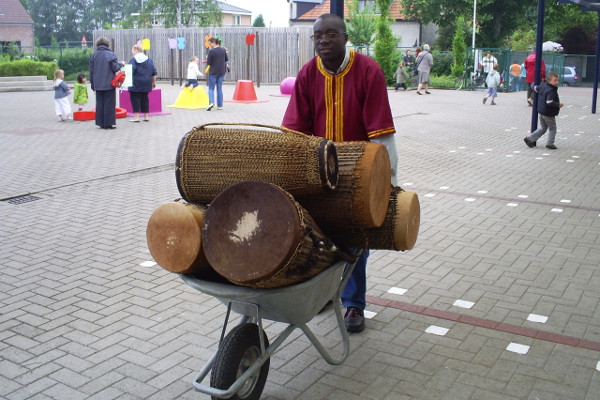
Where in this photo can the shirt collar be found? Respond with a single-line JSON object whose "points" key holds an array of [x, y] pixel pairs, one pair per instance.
{"points": [[342, 67]]}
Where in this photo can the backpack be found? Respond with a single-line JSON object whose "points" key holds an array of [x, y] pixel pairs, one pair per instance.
{"points": [[118, 80]]}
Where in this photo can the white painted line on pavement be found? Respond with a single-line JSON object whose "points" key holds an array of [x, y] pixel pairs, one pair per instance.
{"points": [[565, 201], [407, 184], [482, 191], [369, 314], [437, 330], [523, 196], [518, 348], [512, 204], [444, 187], [452, 151], [430, 195], [545, 154], [516, 151], [542, 319], [470, 199], [463, 303], [598, 366], [489, 149], [570, 160], [557, 210], [148, 264], [539, 158], [397, 290], [575, 156], [509, 155], [479, 154], [462, 147]]}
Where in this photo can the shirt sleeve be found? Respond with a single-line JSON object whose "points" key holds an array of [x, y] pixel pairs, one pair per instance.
{"points": [[299, 114], [376, 113]]}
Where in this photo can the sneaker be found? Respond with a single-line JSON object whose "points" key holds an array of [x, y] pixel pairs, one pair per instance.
{"points": [[551, 147], [219, 108], [528, 142], [354, 319], [493, 103], [484, 100], [210, 107], [530, 102], [134, 120]]}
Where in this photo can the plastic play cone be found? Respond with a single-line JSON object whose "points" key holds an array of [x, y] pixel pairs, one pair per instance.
{"points": [[193, 100], [244, 93]]}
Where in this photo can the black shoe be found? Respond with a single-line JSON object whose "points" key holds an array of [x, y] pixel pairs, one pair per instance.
{"points": [[419, 93], [528, 142], [354, 319], [426, 92], [551, 147]]}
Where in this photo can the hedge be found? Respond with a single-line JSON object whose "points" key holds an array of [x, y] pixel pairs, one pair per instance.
{"points": [[26, 67]]}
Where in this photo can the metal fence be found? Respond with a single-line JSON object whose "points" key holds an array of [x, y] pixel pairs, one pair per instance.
{"points": [[276, 54]]}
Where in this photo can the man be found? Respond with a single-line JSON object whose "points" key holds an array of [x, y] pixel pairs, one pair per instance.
{"points": [[409, 60], [488, 63], [530, 75], [341, 95]]}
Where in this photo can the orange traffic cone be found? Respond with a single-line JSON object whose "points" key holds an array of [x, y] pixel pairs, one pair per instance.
{"points": [[245, 93]]}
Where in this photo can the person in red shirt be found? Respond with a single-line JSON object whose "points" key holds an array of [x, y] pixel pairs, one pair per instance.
{"points": [[530, 77]]}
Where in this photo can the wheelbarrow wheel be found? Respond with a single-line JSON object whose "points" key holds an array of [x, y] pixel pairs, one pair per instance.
{"points": [[240, 348]]}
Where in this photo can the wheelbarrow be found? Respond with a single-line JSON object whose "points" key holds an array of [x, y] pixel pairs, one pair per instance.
{"points": [[241, 363]]}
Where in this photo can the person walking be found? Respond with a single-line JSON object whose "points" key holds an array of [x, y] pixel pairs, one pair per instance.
{"points": [[217, 68], [103, 66], [144, 80], [548, 106], [530, 75], [492, 81], [424, 63], [401, 76], [488, 63], [341, 95], [62, 107]]}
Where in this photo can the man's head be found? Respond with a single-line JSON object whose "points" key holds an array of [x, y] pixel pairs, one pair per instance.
{"points": [[489, 53], [408, 52], [552, 78], [330, 38]]}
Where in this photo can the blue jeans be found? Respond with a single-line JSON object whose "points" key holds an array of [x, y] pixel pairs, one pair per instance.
{"points": [[218, 81], [355, 292], [193, 82]]}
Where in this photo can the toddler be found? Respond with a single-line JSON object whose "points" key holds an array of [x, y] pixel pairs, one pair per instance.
{"points": [[193, 73], [80, 95], [492, 81], [61, 91], [548, 107]]}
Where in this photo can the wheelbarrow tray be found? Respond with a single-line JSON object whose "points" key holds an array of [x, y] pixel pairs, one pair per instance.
{"points": [[295, 304]]}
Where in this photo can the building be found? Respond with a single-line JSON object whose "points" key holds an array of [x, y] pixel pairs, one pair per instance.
{"points": [[16, 26], [235, 16], [410, 32]]}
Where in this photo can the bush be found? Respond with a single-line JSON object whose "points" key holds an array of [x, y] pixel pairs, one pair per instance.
{"points": [[442, 62], [75, 62], [443, 81], [27, 67]]}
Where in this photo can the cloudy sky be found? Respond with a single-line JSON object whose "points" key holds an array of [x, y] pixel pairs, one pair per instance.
{"points": [[275, 12]]}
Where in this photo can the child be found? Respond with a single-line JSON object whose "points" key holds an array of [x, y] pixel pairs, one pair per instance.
{"points": [[548, 106], [401, 76], [80, 94], [61, 91], [193, 73], [492, 81]]}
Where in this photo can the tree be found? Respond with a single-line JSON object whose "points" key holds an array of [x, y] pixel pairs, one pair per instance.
{"points": [[259, 21], [459, 48], [361, 25], [386, 54], [193, 13]]}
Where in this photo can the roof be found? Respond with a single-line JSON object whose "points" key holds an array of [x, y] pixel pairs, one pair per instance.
{"points": [[228, 8], [13, 12], [325, 8]]}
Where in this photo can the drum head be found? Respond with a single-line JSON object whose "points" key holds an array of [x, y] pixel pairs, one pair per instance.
{"points": [[250, 231], [407, 220], [374, 174], [174, 237]]}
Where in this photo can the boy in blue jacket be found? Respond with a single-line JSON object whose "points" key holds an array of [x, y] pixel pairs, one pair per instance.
{"points": [[548, 107]]}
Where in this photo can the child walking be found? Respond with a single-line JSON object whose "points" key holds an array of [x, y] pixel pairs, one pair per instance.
{"points": [[61, 91], [80, 94], [492, 81], [193, 73], [401, 76], [548, 106]]}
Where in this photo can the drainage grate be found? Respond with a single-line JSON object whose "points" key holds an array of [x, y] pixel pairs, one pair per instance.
{"points": [[22, 199]]}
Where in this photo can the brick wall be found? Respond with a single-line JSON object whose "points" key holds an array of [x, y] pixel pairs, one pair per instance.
{"points": [[18, 33]]}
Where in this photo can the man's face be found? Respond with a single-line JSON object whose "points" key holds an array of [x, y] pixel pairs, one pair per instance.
{"points": [[329, 39], [408, 53]]}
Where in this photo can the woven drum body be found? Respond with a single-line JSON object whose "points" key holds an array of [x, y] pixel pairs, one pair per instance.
{"points": [[255, 234], [399, 230], [174, 238], [363, 191], [211, 159]]}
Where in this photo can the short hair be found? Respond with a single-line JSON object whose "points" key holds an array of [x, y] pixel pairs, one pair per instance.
{"points": [[80, 78], [214, 40], [194, 58], [336, 18], [551, 75], [102, 41], [138, 47], [496, 66]]}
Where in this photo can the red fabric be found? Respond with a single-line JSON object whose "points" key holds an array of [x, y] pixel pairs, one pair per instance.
{"points": [[350, 106], [530, 68]]}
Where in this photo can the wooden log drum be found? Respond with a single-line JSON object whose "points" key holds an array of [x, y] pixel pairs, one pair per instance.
{"points": [[254, 234], [210, 159]]}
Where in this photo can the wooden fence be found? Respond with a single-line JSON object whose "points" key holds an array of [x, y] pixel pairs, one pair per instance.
{"points": [[280, 52]]}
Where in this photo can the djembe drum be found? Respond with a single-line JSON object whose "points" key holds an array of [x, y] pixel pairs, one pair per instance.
{"points": [[254, 234], [399, 230], [210, 159], [363, 191], [174, 238]]}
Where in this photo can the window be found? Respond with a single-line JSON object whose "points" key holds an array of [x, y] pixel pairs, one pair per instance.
{"points": [[237, 20]]}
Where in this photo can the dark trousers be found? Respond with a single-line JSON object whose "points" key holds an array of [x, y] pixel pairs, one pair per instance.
{"points": [[140, 102], [398, 85], [106, 101], [529, 91]]}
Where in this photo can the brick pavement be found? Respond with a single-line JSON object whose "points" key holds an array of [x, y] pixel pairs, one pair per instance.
{"points": [[515, 231]]}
